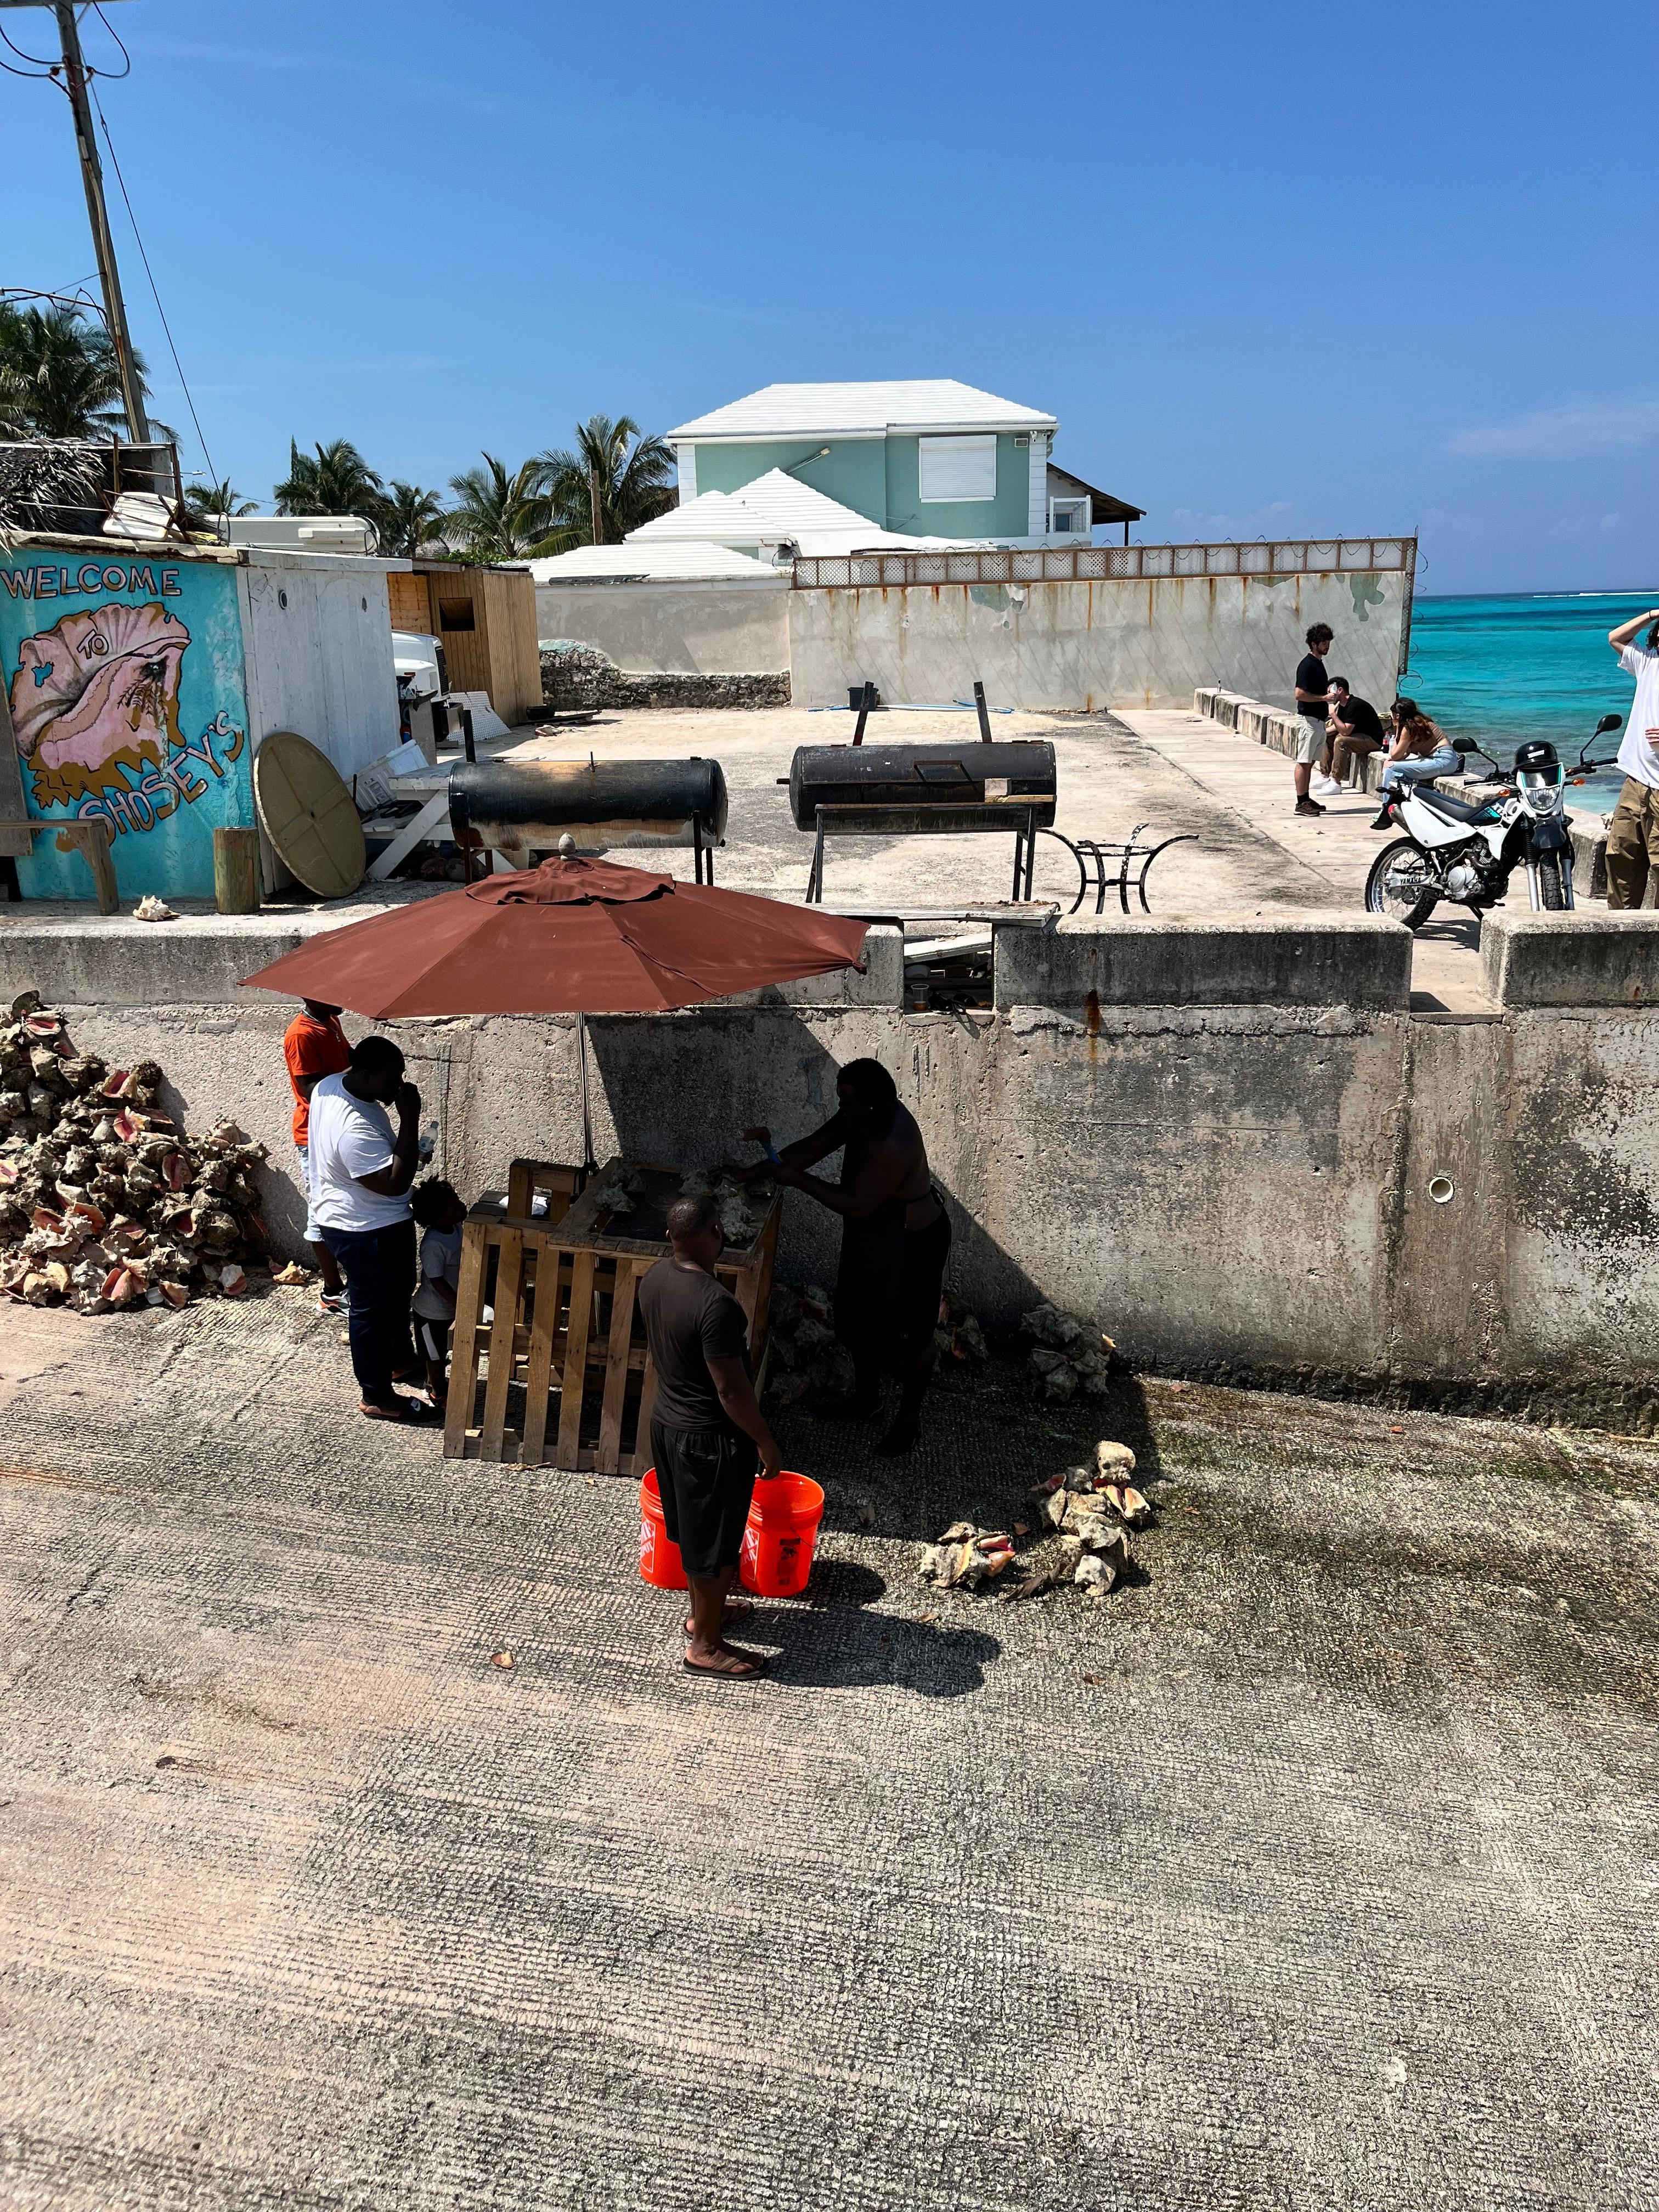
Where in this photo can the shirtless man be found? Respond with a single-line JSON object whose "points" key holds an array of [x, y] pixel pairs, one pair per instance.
{"points": [[896, 1239]]}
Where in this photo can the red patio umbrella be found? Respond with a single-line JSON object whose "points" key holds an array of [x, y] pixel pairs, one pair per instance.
{"points": [[571, 937]]}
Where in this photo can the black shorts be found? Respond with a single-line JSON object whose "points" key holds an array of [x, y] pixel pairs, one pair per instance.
{"points": [[706, 1478], [433, 1337]]}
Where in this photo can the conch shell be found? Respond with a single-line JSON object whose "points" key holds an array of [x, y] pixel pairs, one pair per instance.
{"points": [[101, 686]]}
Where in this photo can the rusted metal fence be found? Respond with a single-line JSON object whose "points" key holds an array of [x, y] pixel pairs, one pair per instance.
{"points": [[1068, 565]]}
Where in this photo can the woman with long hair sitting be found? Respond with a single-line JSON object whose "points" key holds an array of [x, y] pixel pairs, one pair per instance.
{"points": [[1421, 750]]}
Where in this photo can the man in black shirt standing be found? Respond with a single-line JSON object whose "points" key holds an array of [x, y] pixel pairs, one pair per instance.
{"points": [[707, 1429], [1355, 726], [1311, 697]]}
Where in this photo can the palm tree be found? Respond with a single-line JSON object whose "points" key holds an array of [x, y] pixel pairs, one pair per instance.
{"points": [[498, 516], [58, 374], [414, 520], [614, 479], [335, 479], [210, 502]]}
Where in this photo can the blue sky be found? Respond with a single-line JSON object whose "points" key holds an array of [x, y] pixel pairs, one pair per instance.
{"points": [[1277, 272]]}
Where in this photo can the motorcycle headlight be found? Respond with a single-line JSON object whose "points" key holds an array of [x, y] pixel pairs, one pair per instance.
{"points": [[1542, 794]]}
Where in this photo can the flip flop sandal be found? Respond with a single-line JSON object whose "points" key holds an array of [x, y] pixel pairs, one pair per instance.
{"points": [[413, 1411], [753, 1666], [737, 1609]]}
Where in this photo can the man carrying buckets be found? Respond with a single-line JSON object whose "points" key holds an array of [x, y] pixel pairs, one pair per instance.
{"points": [[707, 1429]]}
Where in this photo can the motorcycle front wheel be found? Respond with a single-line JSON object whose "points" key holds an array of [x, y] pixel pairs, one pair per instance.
{"points": [[1400, 884], [1551, 887]]}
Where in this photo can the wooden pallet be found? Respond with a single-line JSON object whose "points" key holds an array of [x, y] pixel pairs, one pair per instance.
{"points": [[560, 1375]]}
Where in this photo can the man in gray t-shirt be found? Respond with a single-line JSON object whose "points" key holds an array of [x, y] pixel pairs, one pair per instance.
{"points": [[707, 1428]]}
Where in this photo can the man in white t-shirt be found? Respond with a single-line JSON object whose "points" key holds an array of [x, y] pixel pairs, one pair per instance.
{"points": [[361, 1172], [1633, 832]]}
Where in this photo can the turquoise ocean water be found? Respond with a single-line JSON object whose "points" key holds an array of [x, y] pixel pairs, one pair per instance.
{"points": [[1528, 665]]}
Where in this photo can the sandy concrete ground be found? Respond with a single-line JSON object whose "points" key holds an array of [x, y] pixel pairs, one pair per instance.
{"points": [[1316, 1868]]}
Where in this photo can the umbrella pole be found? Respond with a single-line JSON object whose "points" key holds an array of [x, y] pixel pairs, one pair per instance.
{"points": [[588, 1161]]}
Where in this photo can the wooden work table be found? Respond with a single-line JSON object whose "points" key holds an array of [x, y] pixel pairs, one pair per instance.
{"points": [[560, 1376]]}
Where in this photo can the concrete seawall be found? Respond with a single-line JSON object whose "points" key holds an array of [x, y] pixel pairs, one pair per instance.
{"points": [[1084, 645], [1232, 1145]]}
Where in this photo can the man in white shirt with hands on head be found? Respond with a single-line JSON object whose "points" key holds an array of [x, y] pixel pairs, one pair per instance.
{"points": [[1633, 832], [360, 1173]]}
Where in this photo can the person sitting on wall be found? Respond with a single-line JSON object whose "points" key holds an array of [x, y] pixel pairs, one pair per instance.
{"points": [[896, 1239], [313, 1046], [361, 1174], [1356, 732], [1420, 751]]}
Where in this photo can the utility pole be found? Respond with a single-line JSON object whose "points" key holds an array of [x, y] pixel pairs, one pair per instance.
{"points": [[92, 176], [593, 501]]}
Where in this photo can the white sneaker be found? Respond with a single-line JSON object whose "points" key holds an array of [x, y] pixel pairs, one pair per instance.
{"points": [[1326, 786]]}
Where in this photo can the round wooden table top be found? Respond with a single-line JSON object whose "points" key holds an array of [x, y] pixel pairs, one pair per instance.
{"points": [[308, 815]]}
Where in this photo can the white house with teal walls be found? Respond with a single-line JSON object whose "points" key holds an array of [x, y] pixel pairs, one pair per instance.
{"points": [[926, 458]]}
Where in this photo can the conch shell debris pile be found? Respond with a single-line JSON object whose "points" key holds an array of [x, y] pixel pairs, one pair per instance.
{"points": [[1068, 1354], [104, 1203], [615, 1192], [802, 1355], [959, 1335], [742, 1207], [1085, 1514], [804, 1358]]}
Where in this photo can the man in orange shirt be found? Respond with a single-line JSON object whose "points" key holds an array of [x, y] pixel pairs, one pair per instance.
{"points": [[314, 1046]]}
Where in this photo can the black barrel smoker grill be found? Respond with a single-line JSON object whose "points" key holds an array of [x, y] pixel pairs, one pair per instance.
{"points": [[524, 808], [940, 790], [928, 790]]}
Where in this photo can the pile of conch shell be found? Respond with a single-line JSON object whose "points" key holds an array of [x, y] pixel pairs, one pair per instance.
{"points": [[742, 1207], [1086, 1513], [104, 1203], [802, 1355], [1068, 1354], [615, 1191], [959, 1335]]}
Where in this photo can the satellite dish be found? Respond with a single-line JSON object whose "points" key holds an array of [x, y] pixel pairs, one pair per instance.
{"points": [[308, 813]]}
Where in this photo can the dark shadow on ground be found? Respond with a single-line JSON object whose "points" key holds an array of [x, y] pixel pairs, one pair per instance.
{"points": [[987, 1438], [832, 1643]]}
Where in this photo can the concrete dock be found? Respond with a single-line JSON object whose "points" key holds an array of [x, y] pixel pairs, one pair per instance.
{"points": [[1312, 1869]]}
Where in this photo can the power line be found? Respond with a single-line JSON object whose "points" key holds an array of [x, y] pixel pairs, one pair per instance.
{"points": [[153, 293], [116, 35], [46, 71]]}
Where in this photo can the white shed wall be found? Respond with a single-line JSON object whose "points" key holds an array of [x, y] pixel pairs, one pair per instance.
{"points": [[321, 664]]}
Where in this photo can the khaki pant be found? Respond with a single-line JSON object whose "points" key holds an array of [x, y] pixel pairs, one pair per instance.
{"points": [[1355, 749], [1633, 846]]}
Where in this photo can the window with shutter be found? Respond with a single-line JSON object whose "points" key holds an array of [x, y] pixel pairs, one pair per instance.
{"points": [[957, 468]]}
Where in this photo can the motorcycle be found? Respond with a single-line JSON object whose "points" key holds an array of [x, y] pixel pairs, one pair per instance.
{"points": [[1468, 854]]}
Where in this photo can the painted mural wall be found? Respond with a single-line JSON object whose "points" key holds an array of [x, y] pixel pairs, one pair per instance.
{"points": [[125, 681]]}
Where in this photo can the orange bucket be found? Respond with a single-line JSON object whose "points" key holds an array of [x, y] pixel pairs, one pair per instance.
{"points": [[778, 1543], [659, 1561]]}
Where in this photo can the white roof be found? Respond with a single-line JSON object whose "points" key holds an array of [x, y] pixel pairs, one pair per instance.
{"points": [[675, 562], [866, 410], [776, 507]]}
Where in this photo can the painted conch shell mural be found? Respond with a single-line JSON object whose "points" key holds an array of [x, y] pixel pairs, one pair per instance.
{"points": [[99, 690]]}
